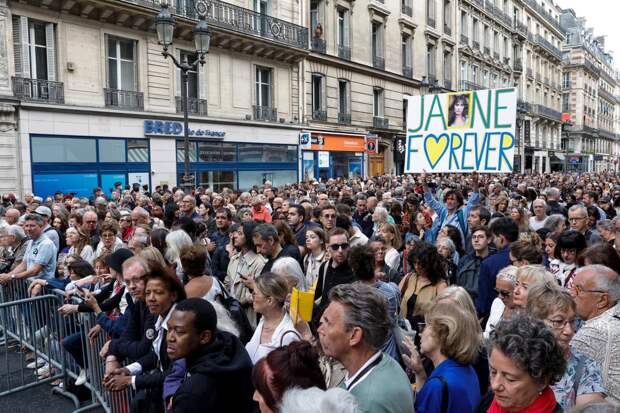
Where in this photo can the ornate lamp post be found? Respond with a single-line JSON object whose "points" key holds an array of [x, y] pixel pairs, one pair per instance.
{"points": [[164, 25]]}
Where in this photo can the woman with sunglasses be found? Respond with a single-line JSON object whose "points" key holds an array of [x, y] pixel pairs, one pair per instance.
{"points": [[275, 328], [502, 306], [582, 382]]}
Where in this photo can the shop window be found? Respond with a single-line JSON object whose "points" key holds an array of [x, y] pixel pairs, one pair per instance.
{"points": [[247, 179], [267, 153], [112, 150], [46, 149], [137, 150], [216, 152], [217, 180], [193, 155]]}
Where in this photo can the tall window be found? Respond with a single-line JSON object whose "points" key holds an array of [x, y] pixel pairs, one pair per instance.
{"points": [[463, 71], [430, 61], [377, 102], [343, 96], [474, 27], [447, 69], [474, 75], [122, 73], [565, 80], [192, 75], [506, 48], [485, 37], [447, 16], [405, 46], [263, 86], [377, 40], [430, 13], [318, 99], [314, 15], [496, 42], [464, 23], [343, 32], [34, 49]]}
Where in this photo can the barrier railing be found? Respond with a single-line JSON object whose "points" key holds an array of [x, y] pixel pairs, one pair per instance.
{"points": [[33, 326]]}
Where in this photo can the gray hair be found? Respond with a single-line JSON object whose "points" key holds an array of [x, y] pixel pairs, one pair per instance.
{"points": [[606, 224], [508, 274], [366, 308], [553, 193], [615, 219], [605, 279], [175, 241], [141, 239], [35, 217], [315, 400], [539, 200], [289, 267], [264, 231], [578, 207], [446, 242], [15, 231], [552, 221], [141, 211], [382, 212]]}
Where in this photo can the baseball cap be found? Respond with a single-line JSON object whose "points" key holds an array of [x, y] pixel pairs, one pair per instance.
{"points": [[44, 211]]}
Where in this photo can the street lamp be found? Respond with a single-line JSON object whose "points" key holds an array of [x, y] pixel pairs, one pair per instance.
{"points": [[164, 25], [424, 86]]}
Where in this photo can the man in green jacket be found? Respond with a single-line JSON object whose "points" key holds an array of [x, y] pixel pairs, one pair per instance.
{"points": [[353, 329]]}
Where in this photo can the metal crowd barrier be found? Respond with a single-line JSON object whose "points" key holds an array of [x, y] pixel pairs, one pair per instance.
{"points": [[33, 325]]}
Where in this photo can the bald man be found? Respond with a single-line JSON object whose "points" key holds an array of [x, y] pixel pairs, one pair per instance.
{"points": [[11, 216]]}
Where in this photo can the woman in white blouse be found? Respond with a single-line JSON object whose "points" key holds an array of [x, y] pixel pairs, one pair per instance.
{"points": [[316, 255], [275, 328], [393, 242], [79, 243]]}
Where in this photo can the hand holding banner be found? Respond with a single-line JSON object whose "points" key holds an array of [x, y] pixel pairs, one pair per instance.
{"points": [[461, 132]]}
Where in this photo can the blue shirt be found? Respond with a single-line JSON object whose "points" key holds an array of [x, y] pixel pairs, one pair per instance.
{"points": [[463, 389], [458, 218], [41, 251], [489, 269]]}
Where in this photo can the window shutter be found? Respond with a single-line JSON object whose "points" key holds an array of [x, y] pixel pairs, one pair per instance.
{"points": [[17, 47], [50, 42], [24, 47]]}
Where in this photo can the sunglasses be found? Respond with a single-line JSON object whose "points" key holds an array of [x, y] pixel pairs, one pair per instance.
{"points": [[336, 247]]}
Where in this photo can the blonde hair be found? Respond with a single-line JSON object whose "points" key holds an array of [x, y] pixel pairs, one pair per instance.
{"points": [[546, 297], [534, 274], [273, 285], [456, 330], [152, 254], [397, 240], [457, 295]]}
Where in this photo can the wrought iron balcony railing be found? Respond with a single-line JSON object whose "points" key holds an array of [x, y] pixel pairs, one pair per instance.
{"points": [[407, 71], [230, 16], [517, 65], [318, 45], [344, 52], [467, 85], [380, 122], [378, 62], [123, 99], [265, 113], [544, 43], [447, 30], [195, 106], [319, 115], [38, 90], [344, 118], [464, 40]]}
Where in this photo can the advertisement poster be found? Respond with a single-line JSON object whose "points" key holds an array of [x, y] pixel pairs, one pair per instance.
{"points": [[461, 132]]}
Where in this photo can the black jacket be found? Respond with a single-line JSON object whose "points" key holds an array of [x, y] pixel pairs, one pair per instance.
{"points": [[105, 299], [218, 379], [136, 340]]}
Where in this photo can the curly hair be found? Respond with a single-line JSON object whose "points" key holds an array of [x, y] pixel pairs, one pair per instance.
{"points": [[429, 260], [531, 346]]}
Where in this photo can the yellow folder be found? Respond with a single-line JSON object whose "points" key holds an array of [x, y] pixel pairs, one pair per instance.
{"points": [[302, 303]]}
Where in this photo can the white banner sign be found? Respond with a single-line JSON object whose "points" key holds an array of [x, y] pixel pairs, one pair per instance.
{"points": [[461, 131]]}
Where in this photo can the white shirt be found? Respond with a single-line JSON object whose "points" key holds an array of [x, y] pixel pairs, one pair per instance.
{"points": [[348, 380], [495, 316], [281, 336], [392, 258], [535, 224]]}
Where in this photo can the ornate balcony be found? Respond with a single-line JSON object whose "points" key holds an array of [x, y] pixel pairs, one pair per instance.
{"points": [[319, 115], [517, 65], [378, 62], [318, 45], [344, 52], [447, 84], [547, 112], [124, 99], [464, 40], [530, 73], [40, 90], [548, 47], [476, 44], [408, 72], [195, 106], [467, 85], [447, 30], [266, 113], [496, 55], [344, 118], [380, 122], [544, 13], [486, 50]]}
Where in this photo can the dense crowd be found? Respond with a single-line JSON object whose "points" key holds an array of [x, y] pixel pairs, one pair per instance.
{"points": [[432, 293]]}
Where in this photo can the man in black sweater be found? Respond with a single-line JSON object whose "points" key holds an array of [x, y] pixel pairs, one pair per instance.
{"points": [[219, 370]]}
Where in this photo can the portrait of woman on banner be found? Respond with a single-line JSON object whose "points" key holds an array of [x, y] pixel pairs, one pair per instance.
{"points": [[458, 111]]}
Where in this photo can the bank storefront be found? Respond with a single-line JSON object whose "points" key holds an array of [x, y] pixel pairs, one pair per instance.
{"points": [[330, 155], [72, 152]]}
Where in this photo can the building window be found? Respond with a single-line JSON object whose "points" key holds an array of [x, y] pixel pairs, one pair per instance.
{"points": [[263, 86], [430, 13], [192, 75], [405, 46], [447, 70], [377, 40], [430, 61], [343, 96], [318, 97], [464, 23], [122, 64], [447, 17], [474, 75], [314, 15], [463, 71], [63, 150], [344, 48], [377, 102], [34, 49]]}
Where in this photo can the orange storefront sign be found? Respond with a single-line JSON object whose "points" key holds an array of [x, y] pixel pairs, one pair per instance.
{"points": [[341, 143]]}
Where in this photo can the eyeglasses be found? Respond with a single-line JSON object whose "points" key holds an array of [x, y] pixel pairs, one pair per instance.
{"points": [[336, 247], [579, 290], [503, 293], [573, 219], [107, 235], [559, 324]]}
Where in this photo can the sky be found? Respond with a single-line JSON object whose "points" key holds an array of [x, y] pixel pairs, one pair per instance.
{"points": [[602, 15]]}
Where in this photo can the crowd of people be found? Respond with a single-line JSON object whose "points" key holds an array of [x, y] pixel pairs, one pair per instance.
{"points": [[432, 293]]}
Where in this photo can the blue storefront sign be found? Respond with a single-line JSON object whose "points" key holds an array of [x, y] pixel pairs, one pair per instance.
{"points": [[169, 128]]}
